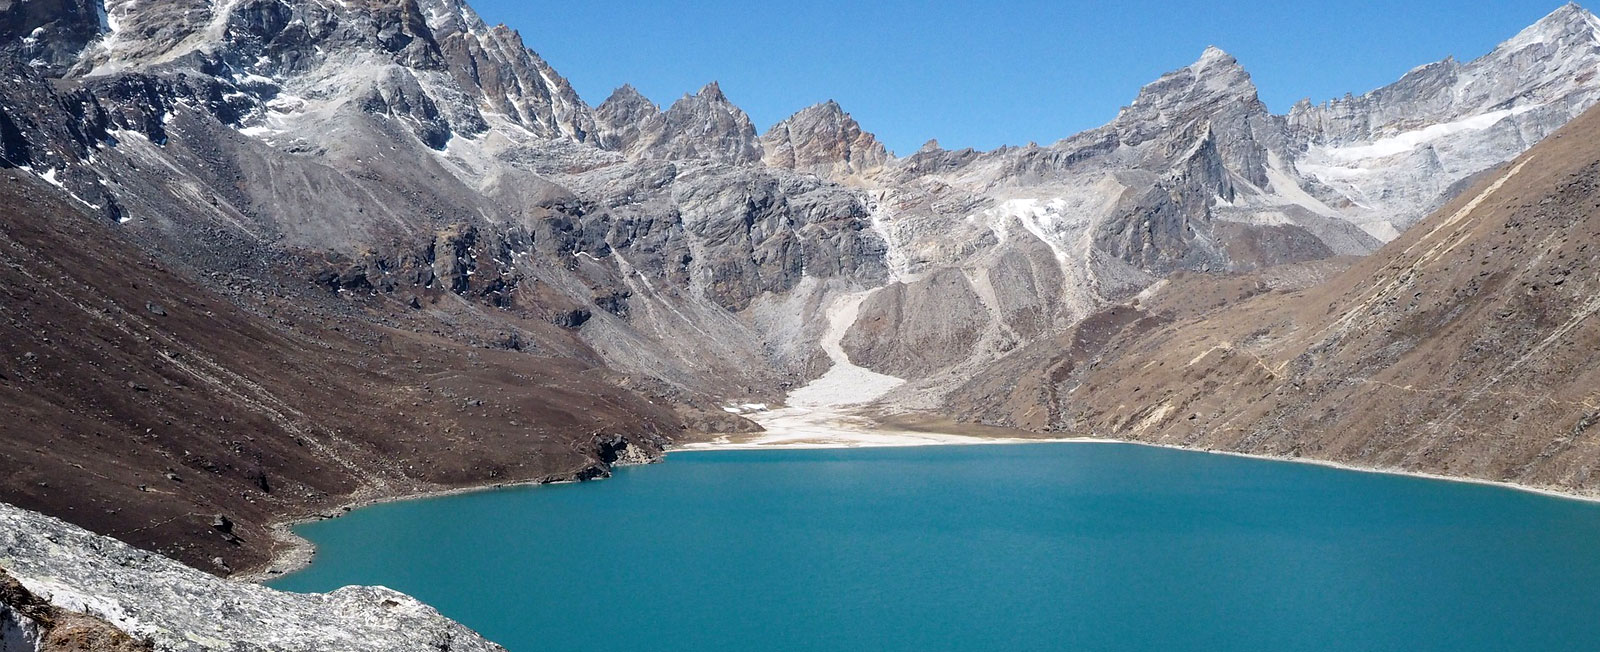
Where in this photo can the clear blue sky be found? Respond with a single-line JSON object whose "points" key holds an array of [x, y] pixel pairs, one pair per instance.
{"points": [[985, 74]]}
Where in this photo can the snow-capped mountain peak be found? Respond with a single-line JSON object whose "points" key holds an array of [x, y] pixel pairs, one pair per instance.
{"points": [[1564, 26], [1388, 155], [1215, 81]]}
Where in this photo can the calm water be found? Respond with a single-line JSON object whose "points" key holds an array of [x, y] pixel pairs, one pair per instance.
{"points": [[1039, 547]]}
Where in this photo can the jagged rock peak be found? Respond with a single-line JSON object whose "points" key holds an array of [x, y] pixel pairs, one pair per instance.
{"points": [[627, 95], [1215, 63], [708, 100], [620, 119], [826, 112], [512, 79], [711, 92], [1215, 71], [1214, 93], [1215, 82], [1214, 56], [1568, 25], [824, 140], [704, 125]]}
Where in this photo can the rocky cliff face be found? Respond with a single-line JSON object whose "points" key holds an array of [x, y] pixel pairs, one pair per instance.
{"points": [[620, 120], [29, 623], [1212, 105], [1390, 156], [49, 34], [825, 141]]}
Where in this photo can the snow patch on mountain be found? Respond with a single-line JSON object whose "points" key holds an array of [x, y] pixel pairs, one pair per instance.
{"points": [[844, 384], [1412, 140]]}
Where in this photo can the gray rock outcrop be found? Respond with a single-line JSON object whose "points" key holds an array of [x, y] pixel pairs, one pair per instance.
{"points": [[181, 609], [825, 141]]}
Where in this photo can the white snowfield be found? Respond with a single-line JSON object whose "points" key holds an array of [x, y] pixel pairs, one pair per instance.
{"points": [[831, 428], [1405, 142], [844, 383]]}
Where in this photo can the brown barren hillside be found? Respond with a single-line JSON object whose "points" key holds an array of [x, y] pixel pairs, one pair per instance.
{"points": [[1469, 346], [141, 404]]}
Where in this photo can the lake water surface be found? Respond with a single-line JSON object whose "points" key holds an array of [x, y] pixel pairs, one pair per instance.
{"points": [[1026, 547]]}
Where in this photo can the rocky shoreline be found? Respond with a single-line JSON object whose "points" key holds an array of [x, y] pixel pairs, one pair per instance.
{"points": [[889, 432], [293, 552], [925, 422], [906, 430], [101, 580]]}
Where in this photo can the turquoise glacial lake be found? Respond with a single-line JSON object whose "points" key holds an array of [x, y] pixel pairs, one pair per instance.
{"points": [[1029, 547]]}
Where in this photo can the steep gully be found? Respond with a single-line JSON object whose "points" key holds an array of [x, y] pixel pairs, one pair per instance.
{"points": [[828, 412]]}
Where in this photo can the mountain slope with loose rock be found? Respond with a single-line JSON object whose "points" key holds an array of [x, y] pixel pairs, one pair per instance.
{"points": [[1464, 347]]}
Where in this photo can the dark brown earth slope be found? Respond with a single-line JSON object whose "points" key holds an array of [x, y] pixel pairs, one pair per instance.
{"points": [[1469, 346], [141, 404], [1023, 390]]}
